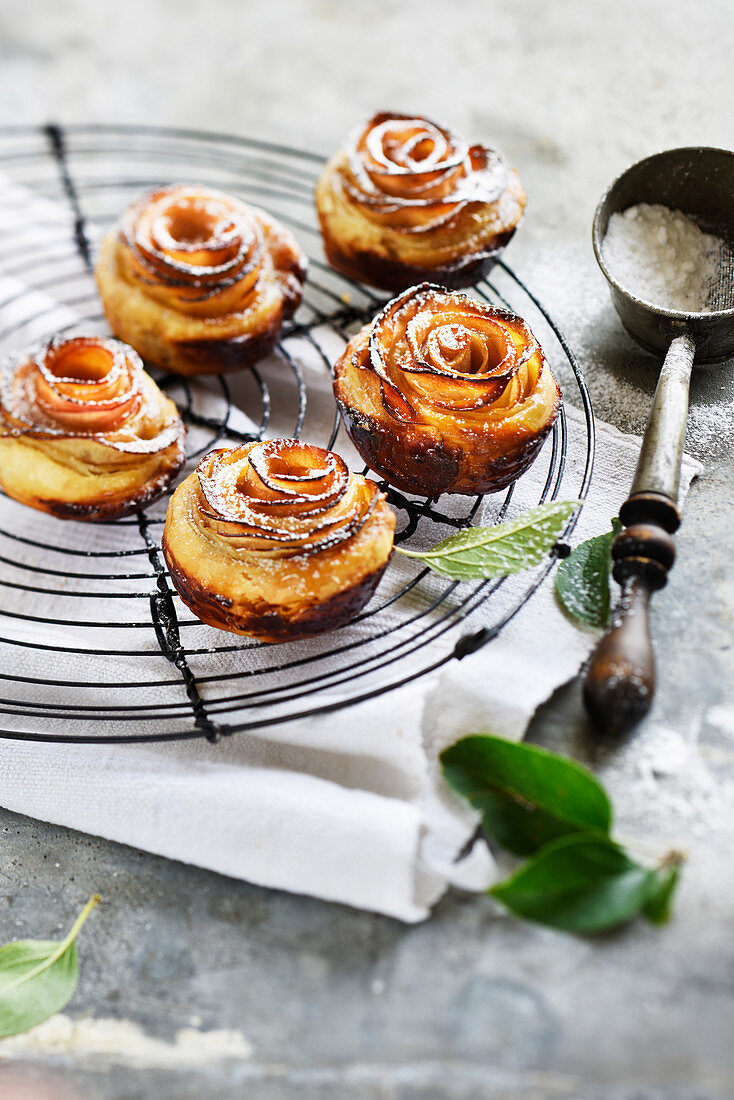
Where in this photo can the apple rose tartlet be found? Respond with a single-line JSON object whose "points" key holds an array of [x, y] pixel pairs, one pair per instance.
{"points": [[197, 281], [408, 200], [85, 433], [276, 540], [445, 394]]}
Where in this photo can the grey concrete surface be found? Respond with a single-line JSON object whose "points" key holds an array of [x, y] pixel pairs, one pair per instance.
{"points": [[472, 1003]]}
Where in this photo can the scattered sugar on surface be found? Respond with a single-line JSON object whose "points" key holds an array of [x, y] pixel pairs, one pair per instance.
{"points": [[663, 258], [664, 768], [621, 375]]}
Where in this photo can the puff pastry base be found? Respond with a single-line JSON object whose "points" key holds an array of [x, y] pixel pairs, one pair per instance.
{"points": [[75, 472], [275, 595], [193, 342], [383, 257], [443, 394]]}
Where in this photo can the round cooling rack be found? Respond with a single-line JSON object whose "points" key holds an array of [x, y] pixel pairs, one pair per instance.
{"points": [[95, 644]]}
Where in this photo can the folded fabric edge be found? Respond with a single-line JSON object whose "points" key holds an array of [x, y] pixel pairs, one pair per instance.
{"points": [[285, 831]]}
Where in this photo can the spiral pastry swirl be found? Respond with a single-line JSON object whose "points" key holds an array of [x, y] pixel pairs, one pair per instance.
{"points": [[85, 433], [277, 540], [197, 281], [442, 393], [408, 200]]}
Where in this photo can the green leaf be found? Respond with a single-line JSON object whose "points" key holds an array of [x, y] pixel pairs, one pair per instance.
{"points": [[663, 885], [527, 795], [537, 803], [582, 580], [578, 884], [38, 977], [486, 552]]}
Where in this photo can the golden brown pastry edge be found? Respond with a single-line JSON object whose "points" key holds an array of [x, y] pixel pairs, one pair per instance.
{"points": [[137, 319]]}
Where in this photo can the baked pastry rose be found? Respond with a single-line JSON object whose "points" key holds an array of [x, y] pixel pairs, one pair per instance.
{"points": [[408, 200], [197, 281], [85, 433], [277, 540], [445, 394]]}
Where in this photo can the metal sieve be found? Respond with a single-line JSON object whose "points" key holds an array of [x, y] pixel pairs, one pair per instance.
{"points": [[699, 182]]}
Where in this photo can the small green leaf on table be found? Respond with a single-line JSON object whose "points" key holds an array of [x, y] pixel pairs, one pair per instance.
{"points": [[38, 977], [527, 795], [578, 884], [582, 580], [481, 553]]}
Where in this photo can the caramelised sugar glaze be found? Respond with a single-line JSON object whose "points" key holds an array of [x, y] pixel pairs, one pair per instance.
{"points": [[277, 540], [441, 355], [195, 247], [442, 393], [416, 175], [85, 386], [281, 497], [197, 281], [407, 199]]}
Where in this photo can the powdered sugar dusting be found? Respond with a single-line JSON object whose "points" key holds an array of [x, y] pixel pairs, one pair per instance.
{"points": [[621, 375], [663, 258]]}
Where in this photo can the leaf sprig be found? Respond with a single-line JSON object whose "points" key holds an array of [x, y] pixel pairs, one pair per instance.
{"points": [[38, 977], [582, 580], [538, 804], [481, 553]]}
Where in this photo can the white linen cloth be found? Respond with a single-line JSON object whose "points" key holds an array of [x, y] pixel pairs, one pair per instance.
{"points": [[346, 806]]}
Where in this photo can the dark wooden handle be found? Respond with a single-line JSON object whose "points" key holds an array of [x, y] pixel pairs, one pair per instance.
{"points": [[620, 681]]}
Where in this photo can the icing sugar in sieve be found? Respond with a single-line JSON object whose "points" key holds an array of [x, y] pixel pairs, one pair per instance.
{"points": [[662, 257]]}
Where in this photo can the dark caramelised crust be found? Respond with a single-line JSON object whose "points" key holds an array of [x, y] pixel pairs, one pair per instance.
{"points": [[224, 356], [269, 624], [417, 462], [403, 463], [379, 270], [430, 428]]}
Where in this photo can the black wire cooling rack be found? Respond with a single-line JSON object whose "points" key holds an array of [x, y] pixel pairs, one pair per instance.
{"points": [[95, 645]]}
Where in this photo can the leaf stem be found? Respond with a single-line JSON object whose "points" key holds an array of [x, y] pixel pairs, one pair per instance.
{"points": [[651, 852], [76, 926]]}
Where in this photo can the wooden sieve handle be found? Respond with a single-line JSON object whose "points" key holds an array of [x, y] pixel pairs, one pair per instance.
{"points": [[620, 681]]}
